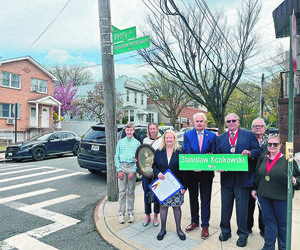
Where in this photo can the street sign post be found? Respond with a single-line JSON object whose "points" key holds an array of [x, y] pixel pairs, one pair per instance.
{"points": [[134, 44], [124, 35]]}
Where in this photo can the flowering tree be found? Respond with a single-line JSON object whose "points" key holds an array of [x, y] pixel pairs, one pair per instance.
{"points": [[92, 106], [65, 94]]}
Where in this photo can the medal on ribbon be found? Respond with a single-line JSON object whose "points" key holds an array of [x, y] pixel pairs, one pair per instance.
{"points": [[233, 141]]}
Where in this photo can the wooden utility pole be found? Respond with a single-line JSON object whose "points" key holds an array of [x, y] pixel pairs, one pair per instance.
{"points": [[108, 75]]}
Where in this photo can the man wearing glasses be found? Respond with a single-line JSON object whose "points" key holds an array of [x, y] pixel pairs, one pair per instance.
{"points": [[236, 185], [259, 128]]}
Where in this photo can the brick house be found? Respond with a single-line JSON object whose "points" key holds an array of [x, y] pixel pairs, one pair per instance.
{"points": [[29, 85]]}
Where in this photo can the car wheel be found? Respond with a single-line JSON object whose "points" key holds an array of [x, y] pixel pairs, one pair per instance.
{"points": [[93, 171], [76, 149], [38, 154]]}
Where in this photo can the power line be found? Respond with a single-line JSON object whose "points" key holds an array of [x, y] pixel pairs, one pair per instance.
{"points": [[44, 31]]}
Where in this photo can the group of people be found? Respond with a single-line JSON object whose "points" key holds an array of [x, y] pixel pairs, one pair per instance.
{"points": [[265, 180]]}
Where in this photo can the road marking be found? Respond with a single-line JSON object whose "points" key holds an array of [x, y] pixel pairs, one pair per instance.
{"points": [[25, 242], [40, 181], [49, 202], [26, 195], [14, 167], [31, 175], [26, 170]]}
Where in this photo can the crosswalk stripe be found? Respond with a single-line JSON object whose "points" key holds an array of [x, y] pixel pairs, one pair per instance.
{"points": [[31, 175], [26, 195], [40, 181], [25, 242], [5, 168], [49, 202], [22, 171]]}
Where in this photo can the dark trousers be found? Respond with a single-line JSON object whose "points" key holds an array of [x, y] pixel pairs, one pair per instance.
{"points": [[204, 183], [241, 197], [250, 220], [146, 181], [275, 215]]}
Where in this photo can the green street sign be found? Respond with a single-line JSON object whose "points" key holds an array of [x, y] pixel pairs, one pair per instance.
{"points": [[124, 35], [134, 44], [114, 29], [213, 162]]}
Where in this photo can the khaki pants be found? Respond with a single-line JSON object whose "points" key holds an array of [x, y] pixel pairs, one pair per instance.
{"points": [[126, 188]]}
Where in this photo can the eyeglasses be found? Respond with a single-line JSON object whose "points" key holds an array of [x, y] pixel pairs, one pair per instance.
{"points": [[257, 126], [229, 121], [276, 144]]}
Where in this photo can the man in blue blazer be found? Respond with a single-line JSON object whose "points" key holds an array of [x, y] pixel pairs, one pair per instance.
{"points": [[200, 141], [236, 185]]}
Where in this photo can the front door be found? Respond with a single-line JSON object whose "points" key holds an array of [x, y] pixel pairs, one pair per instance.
{"points": [[45, 117], [32, 117]]}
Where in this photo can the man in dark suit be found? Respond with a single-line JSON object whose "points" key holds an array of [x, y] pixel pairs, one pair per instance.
{"points": [[236, 185], [200, 141]]}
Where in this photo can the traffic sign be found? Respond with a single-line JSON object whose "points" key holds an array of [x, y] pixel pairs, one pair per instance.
{"points": [[134, 44], [124, 35]]}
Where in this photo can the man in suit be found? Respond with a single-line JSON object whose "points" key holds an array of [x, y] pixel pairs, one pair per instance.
{"points": [[236, 185], [200, 141], [259, 128]]}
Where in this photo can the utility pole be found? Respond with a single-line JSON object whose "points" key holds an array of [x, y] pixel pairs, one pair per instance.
{"points": [[16, 120], [261, 96], [108, 75]]}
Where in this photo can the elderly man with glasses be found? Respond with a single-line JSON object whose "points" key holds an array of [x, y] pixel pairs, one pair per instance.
{"points": [[236, 185], [259, 129]]}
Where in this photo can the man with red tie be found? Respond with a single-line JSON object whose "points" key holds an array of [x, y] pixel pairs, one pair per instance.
{"points": [[200, 141], [236, 185]]}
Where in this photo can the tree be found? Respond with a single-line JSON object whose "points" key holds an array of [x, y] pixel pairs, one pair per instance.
{"points": [[65, 94], [271, 96], [75, 73], [92, 106], [245, 103], [205, 55], [169, 98]]}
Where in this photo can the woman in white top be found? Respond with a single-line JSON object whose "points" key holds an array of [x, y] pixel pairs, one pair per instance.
{"points": [[154, 140]]}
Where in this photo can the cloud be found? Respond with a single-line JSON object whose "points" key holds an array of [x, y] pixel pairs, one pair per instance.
{"points": [[57, 55]]}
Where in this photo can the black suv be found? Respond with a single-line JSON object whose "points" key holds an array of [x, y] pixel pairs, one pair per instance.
{"points": [[92, 154]]}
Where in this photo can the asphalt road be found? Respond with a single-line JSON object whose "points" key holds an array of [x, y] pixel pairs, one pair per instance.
{"points": [[49, 205]]}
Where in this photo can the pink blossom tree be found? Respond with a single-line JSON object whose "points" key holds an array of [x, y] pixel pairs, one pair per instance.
{"points": [[92, 106], [65, 94]]}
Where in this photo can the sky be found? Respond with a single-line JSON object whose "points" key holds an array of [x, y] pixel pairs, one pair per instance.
{"points": [[67, 31]]}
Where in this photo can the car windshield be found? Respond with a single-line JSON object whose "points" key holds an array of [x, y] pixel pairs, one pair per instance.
{"points": [[41, 137], [95, 133]]}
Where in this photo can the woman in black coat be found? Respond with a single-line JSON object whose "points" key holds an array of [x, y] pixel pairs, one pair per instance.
{"points": [[167, 157]]}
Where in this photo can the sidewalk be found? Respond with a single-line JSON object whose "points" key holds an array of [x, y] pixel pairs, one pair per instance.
{"points": [[135, 236]]}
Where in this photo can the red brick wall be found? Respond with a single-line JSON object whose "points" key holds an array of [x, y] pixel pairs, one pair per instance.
{"points": [[283, 109], [8, 95]]}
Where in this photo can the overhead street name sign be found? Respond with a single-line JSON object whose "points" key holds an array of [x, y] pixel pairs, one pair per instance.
{"points": [[134, 44], [123, 35]]}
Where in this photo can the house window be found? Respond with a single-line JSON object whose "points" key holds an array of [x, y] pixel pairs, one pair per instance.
{"points": [[10, 80], [142, 99], [135, 97], [127, 96], [150, 117], [7, 110], [38, 85], [131, 118]]}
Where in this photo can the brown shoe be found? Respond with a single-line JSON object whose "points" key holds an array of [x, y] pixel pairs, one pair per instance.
{"points": [[191, 227], [204, 233]]}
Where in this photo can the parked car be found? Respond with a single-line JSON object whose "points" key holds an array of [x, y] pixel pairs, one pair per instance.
{"points": [[43, 145], [92, 154]]}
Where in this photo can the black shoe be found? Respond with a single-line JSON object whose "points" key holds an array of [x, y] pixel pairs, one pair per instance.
{"points": [[262, 233], [224, 236], [161, 236], [241, 242], [181, 236]]}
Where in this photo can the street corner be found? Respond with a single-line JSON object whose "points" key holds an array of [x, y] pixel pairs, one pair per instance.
{"points": [[107, 224]]}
